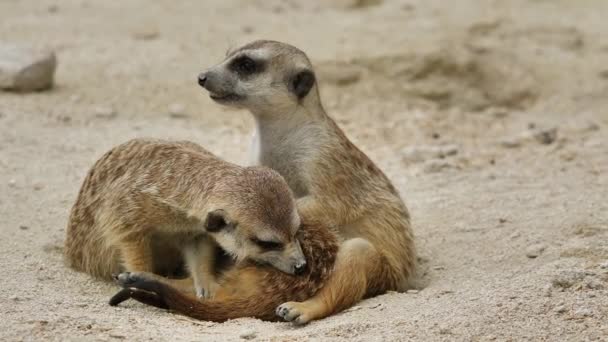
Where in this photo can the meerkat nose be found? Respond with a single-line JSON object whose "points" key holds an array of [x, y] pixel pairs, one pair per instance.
{"points": [[202, 79], [299, 268]]}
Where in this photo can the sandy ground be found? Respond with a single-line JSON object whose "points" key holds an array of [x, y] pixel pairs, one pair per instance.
{"points": [[511, 217]]}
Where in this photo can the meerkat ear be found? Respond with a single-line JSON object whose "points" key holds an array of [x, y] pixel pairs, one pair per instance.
{"points": [[302, 82], [216, 221]]}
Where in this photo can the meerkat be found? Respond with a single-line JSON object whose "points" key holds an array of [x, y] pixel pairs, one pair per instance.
{"points": [[148, 204], [334, 182], [247, 289]]}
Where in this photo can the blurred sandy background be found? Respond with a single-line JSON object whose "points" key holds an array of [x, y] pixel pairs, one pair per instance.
{"points": [[491, 118]]}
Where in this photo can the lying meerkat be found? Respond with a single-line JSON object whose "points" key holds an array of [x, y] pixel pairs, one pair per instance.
{"points": [[147, 204], [334, 181], [246, 290]]}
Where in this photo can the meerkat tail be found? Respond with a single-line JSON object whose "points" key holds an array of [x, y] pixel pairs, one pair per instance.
{"points": [[219, 309]]}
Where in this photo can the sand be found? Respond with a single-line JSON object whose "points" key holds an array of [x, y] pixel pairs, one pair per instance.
{"points": [[489, 116]]}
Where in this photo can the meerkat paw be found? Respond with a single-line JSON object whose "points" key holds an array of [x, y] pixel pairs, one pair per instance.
{"points": [[207, 290], [137, 286], [293, 312], [125, 279], [138, 281]]}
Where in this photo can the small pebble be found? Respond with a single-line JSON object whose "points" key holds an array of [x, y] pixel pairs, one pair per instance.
{"points": [[510, 142], [421, 153], [535, 250], [146, 34], [436, 165], [12, 183], [567, 155], [24, 227], [444, 331], [560, 309], [249, 335], [546, 136], [583, 312], [604, 265], [105, 112], [177, 110], [412, 291]]}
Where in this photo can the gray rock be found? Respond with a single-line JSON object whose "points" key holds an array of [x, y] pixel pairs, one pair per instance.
{"points": [[26, 68], [560, 309]]}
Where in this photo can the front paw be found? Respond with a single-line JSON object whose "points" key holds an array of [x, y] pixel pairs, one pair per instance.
{"points": [[207, 290], [292, 312]]}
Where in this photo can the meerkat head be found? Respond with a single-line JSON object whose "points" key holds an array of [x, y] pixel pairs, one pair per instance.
{"points": [[266, 77], [256, 219]]}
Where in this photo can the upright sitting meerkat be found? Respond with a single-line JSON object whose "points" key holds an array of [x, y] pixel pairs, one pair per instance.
{"points": [[147, 201], [334, 182]]}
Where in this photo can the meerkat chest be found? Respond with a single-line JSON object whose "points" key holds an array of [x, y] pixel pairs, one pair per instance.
{"points": [[290, 154]]}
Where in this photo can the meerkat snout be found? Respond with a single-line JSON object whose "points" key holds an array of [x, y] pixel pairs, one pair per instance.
{"points": [[202, 78]]}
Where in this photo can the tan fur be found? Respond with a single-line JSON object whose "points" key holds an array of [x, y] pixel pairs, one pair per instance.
{"points": [[334, 181], [247, 290], [146, 203]]}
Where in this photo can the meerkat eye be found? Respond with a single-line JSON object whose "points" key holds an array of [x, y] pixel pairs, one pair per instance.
{"points": [[244, 65], [268, 245]]}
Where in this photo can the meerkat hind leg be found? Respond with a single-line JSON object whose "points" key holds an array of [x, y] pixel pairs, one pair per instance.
{"points": [[357, 261]]}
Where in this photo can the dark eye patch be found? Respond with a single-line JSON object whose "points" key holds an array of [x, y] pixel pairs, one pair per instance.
{"points": [[245, 66], [268, 245]]}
